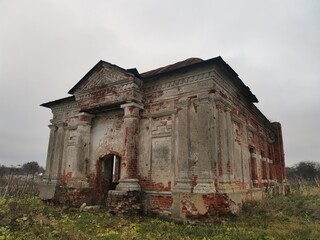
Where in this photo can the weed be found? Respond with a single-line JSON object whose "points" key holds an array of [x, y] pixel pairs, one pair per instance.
{"points": [[296, 216]]}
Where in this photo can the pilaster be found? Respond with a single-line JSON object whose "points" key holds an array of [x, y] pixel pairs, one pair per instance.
{"points": [[182, 169], [201, 142], [128, 173], [83, 143], [50, 153], [58, 151], [47, 187], [225, 142]]}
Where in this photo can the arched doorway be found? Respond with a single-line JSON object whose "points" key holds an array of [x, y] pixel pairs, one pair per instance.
{"points": [[110, 171]]}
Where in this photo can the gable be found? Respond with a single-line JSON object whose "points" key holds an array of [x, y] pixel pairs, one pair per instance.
{"points": [[102, 74]]}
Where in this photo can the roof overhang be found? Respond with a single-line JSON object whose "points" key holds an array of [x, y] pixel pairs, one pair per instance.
{"points": [[59, 101]]}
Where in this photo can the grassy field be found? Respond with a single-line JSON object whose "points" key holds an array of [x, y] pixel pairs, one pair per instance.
{"points": [[282, 217]]}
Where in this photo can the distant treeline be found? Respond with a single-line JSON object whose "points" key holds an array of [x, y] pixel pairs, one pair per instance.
{"points": [[27, 168], [304, 173], [307, 171]]}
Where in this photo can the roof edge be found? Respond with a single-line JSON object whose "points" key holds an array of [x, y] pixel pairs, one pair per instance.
{"points": [[224, 67], [57, 102]]}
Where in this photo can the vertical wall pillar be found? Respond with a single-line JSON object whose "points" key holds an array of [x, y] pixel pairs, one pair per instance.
{"points": [[128, 173], [230, 143], [182, 170], [47, 187], [201, 145], [183, 183], [58, 152], [279, 161], [77, 152], [253, 164], [50, 153], [225, 143], [83, 143]]}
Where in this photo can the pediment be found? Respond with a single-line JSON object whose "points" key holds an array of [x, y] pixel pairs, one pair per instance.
{"points": [[103, 77], [103, 74]]}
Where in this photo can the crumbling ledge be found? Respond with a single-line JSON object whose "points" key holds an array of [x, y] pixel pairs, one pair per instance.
{"points": [[211, 207]]}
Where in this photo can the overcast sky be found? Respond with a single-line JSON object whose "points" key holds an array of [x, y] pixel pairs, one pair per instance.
{"points": [[47, 46]]}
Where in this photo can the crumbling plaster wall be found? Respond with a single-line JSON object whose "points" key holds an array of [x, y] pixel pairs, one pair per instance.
{"points": [[190, 140], [107, 136], [206, 127]]}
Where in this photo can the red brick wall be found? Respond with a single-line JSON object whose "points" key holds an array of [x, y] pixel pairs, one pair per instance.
{"points": [[160, 204]]}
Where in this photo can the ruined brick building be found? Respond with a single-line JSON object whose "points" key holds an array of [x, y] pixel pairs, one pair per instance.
{"points": [[185, 140]]}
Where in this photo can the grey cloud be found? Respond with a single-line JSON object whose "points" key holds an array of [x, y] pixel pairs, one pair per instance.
{"points": [[46, 46]]}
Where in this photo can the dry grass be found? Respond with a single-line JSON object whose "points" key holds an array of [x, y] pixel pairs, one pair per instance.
{"points": [[282, 217]]}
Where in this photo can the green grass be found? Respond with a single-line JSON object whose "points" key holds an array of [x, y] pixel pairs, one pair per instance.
{"points": [[282, 217]]}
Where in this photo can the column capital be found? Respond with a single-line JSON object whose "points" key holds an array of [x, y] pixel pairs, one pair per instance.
{"points": [[224, 103], [52, 126], [84, 118], [183, 103], [57, 123], [131, 109], [61, 124], [132, 104], [85, 114], [202, 99]]}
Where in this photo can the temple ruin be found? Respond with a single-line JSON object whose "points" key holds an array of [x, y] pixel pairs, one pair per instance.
{"points": [[184, 141]]}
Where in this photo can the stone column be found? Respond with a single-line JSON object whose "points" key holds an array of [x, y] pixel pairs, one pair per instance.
{"points": [[183, 183], [128, 172], [230, 143], [225, 142], [182, 155], [58, 152], [50, 153], [83, 143], [201, 144], [279, 160], [253, 166], [47, 187]]}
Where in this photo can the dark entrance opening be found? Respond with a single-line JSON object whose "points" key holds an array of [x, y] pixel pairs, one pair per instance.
{"points": [[111, 171]]}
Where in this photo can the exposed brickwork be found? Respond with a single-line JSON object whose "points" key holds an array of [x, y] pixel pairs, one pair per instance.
{"points": [[160, 204], [148, 184], [209, 207], [124, 203], [75, 197]]}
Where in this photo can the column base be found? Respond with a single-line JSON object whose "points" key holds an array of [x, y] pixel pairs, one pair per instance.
{"points": [[204, 186], [129, 185], [47, 189], [182, 185]]}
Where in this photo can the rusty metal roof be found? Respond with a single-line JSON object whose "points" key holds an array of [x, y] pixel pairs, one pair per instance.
{"points": [[192, 63], [171, 67]]}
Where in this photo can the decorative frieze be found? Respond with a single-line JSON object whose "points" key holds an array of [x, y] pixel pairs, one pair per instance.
{"points": [[112, 88], [73, 106], [201, 78], [179, 82]]}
